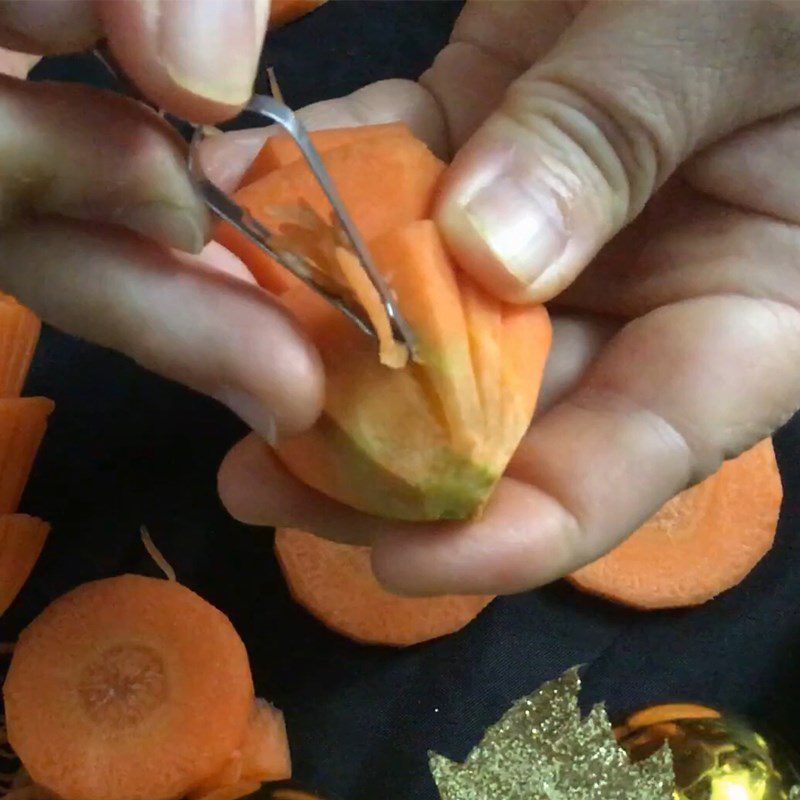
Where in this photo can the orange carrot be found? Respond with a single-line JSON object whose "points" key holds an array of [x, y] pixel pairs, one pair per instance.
{"points": [[669, 712], [428, 441], [406, 169], [428, 438], [334, 582], [263, 754], [19, 333], [22, 425], [701, 543], [134, 688], [282, 12], [21, 541], [280, 149]]}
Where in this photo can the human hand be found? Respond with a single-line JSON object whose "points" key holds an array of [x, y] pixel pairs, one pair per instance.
{"points": [[101, 230], [635, 163]]}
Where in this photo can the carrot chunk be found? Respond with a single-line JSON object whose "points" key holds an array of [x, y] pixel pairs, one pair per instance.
{"points": [[334, 582]]}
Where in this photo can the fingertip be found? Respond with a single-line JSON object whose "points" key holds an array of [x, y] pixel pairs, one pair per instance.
{"points": [[503, 225], [225, 158], [196, 58], [239, 478]]}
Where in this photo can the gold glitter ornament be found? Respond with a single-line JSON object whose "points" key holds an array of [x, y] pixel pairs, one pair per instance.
{"points": [[542, 749], [715, 756]]}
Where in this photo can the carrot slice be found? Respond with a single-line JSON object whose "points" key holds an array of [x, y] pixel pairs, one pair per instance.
{"points": [[19, 334], [129, 688], [282, 12], [21, 541], [334, 582], [701, 543], [280, 150], [22, 425], [669, 712]]}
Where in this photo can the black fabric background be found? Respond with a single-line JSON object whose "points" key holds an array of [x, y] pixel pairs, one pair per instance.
{"points": [[126, 448]]}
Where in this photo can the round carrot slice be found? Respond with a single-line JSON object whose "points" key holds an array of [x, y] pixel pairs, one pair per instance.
{"points": [[701, 543], [129, 688], [334, 582]]}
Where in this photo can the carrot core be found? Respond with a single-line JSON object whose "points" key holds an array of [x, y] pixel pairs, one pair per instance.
{"points": [[123, 686]]}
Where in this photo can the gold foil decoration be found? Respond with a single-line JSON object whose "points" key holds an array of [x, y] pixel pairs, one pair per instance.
{"points": [[542, 749], [715, 756]]}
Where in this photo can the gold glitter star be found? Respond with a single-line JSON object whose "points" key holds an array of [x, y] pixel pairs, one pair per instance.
{"points": [[542, 749]]}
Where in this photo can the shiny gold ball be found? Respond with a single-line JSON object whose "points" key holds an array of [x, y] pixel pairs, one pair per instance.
{"points": [[715, 756]]}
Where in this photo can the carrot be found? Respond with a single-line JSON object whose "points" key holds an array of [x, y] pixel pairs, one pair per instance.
{"points": [[334, 582], [408, 173], [431, 440], [280, 149], [282, 12], [19, 333], [701, 543], [21, 541], [133, 688], [427, 438], [669, 712], [263, 754], [22, 425]]}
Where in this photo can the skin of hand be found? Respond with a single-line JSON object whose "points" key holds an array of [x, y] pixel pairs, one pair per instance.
{"points": [[634, 165], [101, 230]]}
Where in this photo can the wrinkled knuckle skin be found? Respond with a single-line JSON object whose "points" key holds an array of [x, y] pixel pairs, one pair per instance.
{"points": [[619, 147]]}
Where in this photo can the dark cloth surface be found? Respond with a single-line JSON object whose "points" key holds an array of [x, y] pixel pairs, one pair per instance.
{"points": [[126, 448]]}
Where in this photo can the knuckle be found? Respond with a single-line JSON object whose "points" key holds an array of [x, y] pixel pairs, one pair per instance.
{"points": [[621, 145]]}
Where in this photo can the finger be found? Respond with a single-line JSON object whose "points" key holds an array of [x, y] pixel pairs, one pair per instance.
{"points": [[77, 152], [226, 158], [492, 44], [576, 342], [201, 327], [662, 406], [584, 138], [16, 65], [727, 226], [195, 58], [49, 27], [257, 489]]}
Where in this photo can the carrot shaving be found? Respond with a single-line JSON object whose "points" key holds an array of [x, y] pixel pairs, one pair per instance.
{"points": [[337, 268], [274, 88], [157, 555]]}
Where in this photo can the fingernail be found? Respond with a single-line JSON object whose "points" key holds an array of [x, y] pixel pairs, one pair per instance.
{"points": [[211, 47], [521, 225], [167, 224], [251, 411]]}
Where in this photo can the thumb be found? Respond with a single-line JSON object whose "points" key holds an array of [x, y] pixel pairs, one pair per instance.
{"points": [[582, 140]]}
